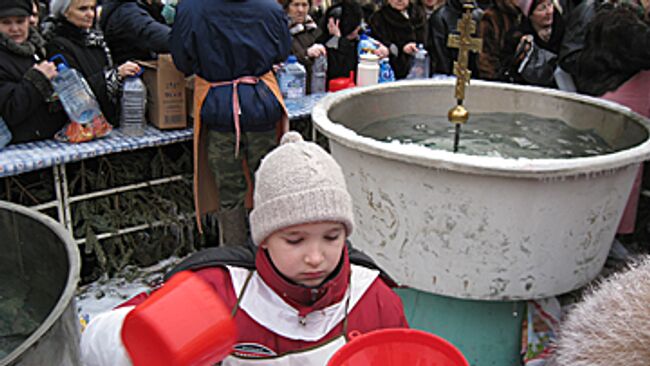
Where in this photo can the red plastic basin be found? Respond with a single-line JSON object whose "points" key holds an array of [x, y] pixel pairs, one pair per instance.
{"points": [[393, 347]]}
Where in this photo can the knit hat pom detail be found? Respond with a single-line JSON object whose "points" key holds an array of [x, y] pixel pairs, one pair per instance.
{"points": [[291, 136]]}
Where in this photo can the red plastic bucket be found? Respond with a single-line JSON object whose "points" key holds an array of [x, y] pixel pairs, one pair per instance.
{"points": [[184, 323], [393, 347]]}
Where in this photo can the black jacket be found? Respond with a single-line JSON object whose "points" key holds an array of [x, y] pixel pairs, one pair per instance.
{"points": [[26, 102], [132, 31], [342, 52], [394, 30], [442, 23], [574, 37], [86, 52]]}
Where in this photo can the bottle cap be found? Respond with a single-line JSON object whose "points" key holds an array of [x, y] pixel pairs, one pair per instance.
{"points": [[292, 59]]}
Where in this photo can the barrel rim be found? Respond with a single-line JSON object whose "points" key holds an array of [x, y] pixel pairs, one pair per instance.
{"points": [[472, 164], [67, 296]]}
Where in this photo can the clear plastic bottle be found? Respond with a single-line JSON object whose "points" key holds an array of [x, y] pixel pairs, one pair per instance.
{"points": [[134, 102], [292, 79], [76, 96], [319, 74], [420, 66]]}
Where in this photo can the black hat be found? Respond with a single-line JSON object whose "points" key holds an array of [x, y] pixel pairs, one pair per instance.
{"points": [[15, 8]]}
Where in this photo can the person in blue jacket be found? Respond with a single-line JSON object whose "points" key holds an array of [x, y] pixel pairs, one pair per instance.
{"points": [[134, 30], [231, 47]]}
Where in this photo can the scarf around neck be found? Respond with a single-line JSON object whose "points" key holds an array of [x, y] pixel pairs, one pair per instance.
{"points": [[33, 46]]}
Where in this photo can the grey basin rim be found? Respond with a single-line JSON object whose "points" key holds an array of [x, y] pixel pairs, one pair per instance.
{"points": [[70, 286]]}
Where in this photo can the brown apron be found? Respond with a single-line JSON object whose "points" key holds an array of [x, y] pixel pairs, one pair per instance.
{"points": [[206, 194]]}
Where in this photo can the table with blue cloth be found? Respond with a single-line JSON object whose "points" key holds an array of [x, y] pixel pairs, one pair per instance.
{"points": [[27, 157]]}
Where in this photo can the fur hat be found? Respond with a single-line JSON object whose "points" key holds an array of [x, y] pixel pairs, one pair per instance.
{"points": [[15, 8], [610, 326], [298, 183]]}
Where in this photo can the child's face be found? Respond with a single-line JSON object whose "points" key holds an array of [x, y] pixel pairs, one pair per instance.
{"points": [[307, 253]]}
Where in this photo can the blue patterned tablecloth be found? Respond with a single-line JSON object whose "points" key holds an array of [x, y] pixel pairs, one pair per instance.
{"points": [[22, 158]]}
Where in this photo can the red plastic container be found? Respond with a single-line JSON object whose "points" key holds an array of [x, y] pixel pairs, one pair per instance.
{"points": [[342, 83], [393, 347], [184, 323]]}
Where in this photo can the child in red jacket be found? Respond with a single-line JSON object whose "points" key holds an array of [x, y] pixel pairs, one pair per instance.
{"points": [[302, 297]]}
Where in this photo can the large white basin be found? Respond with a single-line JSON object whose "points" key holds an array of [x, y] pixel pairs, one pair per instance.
{"points": [[483, 227]]}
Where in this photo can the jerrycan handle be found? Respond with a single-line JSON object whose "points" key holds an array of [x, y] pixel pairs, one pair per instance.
{"points": [[62, 65]]}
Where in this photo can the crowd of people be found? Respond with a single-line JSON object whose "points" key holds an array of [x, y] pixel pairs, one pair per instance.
{"points": [[534, 42]]}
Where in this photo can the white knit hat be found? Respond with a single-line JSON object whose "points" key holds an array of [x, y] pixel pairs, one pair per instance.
{"points": [[298, 183]]}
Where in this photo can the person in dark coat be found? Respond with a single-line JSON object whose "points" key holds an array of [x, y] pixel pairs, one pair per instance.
{"points": [[134, 30], [85, 50], [442, 23], [26, 102], [400, 26], [340, 28], [542, 31], [304, 32], [231, 46], [500, 30]]}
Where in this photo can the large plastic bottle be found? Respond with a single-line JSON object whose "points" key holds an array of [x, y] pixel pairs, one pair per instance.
{"points": [[292, 79], [76, 96], [134, 102], [319, 74], [366, 44], [420, 65], [368, 70]]}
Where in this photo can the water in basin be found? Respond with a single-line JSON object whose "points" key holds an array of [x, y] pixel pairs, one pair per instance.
{"points": [[17, 318], [506, 135]]}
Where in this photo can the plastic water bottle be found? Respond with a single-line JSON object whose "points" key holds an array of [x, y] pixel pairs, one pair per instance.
{"points": [[368, 70], [386, 73], [319, 75], [366, 44], [420, 66], [293, 79], [134, 102], [76, 96]]}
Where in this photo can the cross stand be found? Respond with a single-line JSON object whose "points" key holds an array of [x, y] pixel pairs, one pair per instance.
{"points": [[465, 43]]}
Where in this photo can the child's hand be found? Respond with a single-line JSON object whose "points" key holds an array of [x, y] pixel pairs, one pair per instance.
{"points": [[333, 27]]}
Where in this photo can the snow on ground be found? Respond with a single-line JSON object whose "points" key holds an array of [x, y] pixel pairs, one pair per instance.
{"points": [[106, 293]]}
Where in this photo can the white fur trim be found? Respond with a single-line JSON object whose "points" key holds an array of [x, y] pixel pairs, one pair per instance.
{"points": [[268, 309]]}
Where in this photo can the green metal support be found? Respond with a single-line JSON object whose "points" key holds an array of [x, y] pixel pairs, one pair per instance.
{"points": [[488, 333]]}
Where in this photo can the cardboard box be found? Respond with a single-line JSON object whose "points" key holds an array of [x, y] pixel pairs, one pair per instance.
{"points": [[166, 108]]}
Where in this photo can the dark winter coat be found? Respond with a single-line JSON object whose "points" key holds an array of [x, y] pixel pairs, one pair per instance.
{"points": [[26, 102], [222, 40], [394, 30], [500, 30], [617, 47], [541, 62], [574, 36], [86, 52], [133, 30], [342, 55], [443, 22], [303, 36]]}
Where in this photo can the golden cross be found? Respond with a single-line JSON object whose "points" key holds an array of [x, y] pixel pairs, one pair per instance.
{"points": [[465, 43]]}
